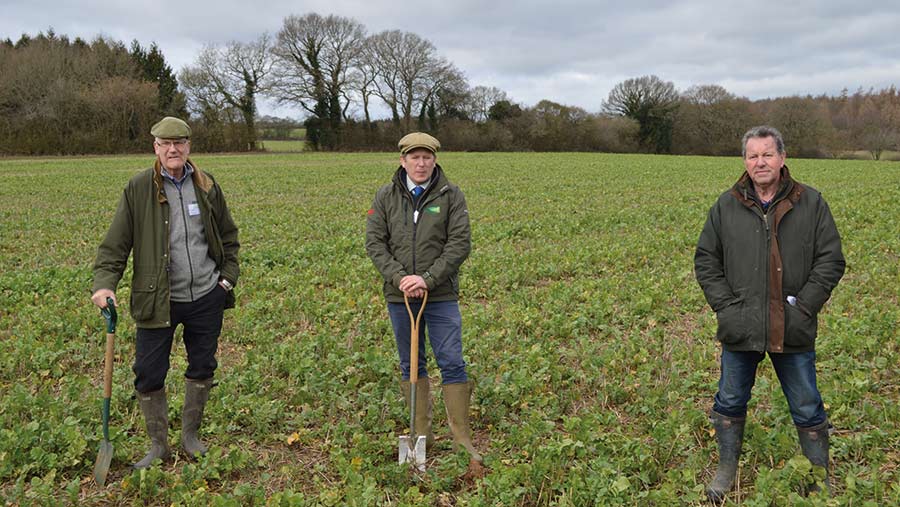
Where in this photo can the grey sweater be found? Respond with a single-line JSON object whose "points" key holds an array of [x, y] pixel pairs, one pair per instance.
{"points": [[192, 273]]}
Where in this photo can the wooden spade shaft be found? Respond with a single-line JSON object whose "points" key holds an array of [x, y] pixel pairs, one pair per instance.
{"points": [[105, 453], [414, 359]]}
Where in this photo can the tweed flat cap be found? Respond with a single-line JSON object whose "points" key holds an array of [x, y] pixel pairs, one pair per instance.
{"points": [[171, 128], [418, 140]]}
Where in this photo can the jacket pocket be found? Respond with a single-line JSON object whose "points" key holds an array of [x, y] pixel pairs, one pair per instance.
{"points": [[799, 327], [733, 327], [143, 297]]}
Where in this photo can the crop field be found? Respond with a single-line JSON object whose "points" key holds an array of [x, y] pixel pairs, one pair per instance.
{"points": [[590, 342], [278, 146]]}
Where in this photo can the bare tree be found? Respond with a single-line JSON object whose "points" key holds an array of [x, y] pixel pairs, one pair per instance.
{"points": [[870, 121], [482, 99], [443, 94], [652, 102], [409, 74], [710, 121], [201, 95], [233, 75], [362, 83], [805, 123], [314, 56]]}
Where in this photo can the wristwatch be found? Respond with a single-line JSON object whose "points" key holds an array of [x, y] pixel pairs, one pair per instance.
{"points": [[226, 284]]}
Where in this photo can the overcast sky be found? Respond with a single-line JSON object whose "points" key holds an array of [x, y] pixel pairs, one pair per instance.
{"points": [[572, 52]]}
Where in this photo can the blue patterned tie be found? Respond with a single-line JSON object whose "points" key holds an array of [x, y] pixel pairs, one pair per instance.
{"points": [[416, 192]]}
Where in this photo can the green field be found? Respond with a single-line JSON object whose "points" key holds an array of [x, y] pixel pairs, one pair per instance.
{"points": [[276, 146], [588, 337]]}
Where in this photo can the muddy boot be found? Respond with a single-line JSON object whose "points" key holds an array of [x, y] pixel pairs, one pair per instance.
{"points": [[423, 408], [456, 401], [156, 417], [196, 392], [730, 436], [814, 444]]}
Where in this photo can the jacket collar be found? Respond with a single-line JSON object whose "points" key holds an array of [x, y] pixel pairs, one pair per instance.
{"points": [[438, 180], [200, 179], [789, 189]]}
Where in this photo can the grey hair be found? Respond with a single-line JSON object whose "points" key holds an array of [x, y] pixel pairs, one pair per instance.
{"points": [[761, 132]]}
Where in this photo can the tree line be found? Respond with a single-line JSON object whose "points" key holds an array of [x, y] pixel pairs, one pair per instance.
{"points": [[62, 96], [66, 97]]}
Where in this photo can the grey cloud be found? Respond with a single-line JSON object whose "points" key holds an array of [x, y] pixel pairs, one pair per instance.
{"points": [[571, 52]]}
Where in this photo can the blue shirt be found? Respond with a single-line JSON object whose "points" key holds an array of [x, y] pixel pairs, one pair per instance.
{"points": [[188, 170]]}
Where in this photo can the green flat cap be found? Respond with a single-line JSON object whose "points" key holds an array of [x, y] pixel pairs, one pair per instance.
{"points": [[171, 128], [418, 140]]}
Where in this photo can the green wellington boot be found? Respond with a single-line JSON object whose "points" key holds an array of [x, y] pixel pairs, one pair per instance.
{"points": [[156, 417], [196, 392], [456, 401]]}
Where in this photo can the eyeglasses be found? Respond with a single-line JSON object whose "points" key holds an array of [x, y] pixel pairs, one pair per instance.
{"points": [[177, 143]]}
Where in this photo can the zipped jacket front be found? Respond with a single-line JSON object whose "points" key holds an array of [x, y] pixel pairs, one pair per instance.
{"points": [[748, 262], [429, 237]]}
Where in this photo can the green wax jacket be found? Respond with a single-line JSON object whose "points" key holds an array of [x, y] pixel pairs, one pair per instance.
{"points": [[430, 238], [141, 225], [748, 262]]}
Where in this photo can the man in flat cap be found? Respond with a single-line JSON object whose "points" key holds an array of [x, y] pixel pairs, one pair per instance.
{"points": [[417, 235], [174, 218]]}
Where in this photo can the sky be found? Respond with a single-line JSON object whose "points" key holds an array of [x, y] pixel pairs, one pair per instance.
{"points": [[571, 52]]}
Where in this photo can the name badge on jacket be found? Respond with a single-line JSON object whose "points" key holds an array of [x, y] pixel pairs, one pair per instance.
{"points": [[193, 209]]}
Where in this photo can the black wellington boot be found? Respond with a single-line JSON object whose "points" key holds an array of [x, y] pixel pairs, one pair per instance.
{"points": [[814, 444], [730, 437]]}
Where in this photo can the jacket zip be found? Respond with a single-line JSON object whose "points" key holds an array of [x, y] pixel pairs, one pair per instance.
{"points": [[417, 213], [766, 292], [187, 245], [415, 227], [416, 207]]}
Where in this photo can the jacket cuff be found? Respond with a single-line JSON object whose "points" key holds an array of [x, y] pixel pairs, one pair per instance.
{"points": [[104, 283], [429, 280], [395, 280]]}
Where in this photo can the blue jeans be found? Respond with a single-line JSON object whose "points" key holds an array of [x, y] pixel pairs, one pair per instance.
{"points": [[444, 325], [796, 372]]}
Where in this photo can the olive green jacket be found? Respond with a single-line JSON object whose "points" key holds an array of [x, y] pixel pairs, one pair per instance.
{"points": [[748, 262], [141, 225], [430, 239]]}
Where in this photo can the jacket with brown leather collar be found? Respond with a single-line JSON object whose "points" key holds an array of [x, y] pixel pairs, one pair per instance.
{"points": [[141, 226], [767, 274]]}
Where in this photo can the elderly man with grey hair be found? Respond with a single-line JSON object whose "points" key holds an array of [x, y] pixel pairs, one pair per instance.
{"points": [[767, 261], [173, 216]]}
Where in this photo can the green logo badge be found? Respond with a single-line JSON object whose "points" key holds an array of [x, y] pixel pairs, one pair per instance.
{"points": [[433, 209]]}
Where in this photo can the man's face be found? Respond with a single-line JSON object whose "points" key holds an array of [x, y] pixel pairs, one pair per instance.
{"points": [[172, 153], [419, 165], [763, 162]]}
